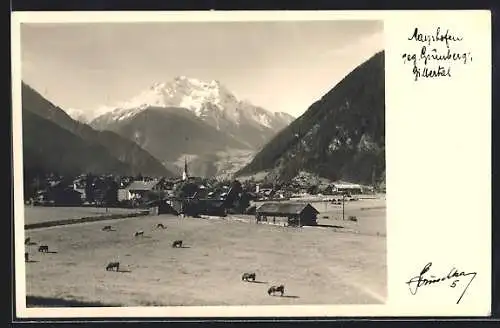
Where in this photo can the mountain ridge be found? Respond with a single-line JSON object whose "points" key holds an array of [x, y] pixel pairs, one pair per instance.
{"points": [[341, 136], [134, 157], [47, 147], [206, 114], [208, 100]]}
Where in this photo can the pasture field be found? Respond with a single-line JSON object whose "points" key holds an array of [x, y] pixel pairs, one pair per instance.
{"points": [[317, 265], [370, 213], [36, 214]]}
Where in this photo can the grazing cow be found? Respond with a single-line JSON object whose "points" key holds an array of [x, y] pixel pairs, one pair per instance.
{"points": [[160, 226], [247, 276], [43, 248], [353, 218], [177, 243], [276, 289], [27, 241], [139, 233], [26, 257], [113, 265], [107, 228]]}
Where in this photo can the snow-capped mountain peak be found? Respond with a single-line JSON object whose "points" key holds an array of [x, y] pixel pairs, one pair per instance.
{"points": [[196, 95], [210, 101]]}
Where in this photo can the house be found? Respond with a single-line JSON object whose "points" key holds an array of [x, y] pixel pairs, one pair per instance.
{"points": [[187, 189], [197, 207], [79, 185], [326, 189], [138, 189], [161, 206], [166, 184], [291, 214], [58, 196], [347, 188], [211, 207]]}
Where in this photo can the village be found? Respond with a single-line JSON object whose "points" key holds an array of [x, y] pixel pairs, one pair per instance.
{"points": [[195, 196]]}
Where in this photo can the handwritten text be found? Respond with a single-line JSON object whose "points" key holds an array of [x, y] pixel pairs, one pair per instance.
{"points": [[436, 54], [452, 279]]}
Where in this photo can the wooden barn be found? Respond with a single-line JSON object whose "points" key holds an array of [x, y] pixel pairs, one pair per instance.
{"points": [[293, 214], [197, 207], [212, 207], [158, 207]]}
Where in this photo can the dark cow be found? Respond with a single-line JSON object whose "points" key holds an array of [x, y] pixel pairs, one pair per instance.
{"points": [[26, 257], [43, 248], [107, 228], [177, 243], [248, 275], [160, 226], [275, 289], [27, 241], [139, 233], [113, 265]]}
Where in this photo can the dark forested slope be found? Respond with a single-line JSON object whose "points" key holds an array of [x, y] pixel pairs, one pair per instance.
{"points": [[340, 137]]}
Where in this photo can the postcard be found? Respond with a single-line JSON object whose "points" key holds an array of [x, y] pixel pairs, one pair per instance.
{"points": [[252, 163]]}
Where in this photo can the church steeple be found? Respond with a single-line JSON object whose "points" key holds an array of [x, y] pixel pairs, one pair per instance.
{"points": [[185, 173]]}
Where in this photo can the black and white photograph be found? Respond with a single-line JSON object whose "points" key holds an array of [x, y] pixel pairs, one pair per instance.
{"points": [[264, 164], [204, 163]]}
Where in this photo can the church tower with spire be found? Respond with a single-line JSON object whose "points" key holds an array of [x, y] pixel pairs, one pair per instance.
{"points": [[185, 172]]}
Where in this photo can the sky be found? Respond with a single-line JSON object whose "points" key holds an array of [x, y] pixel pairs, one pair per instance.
{"points": [[281, 66]]}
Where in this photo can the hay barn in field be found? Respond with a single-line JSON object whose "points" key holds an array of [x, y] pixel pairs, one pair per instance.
{"points": [[292, 214], [196, 207], [158, 207]]}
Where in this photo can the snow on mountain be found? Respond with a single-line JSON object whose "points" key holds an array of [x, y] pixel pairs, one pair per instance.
{"points": [[78, 114], [204, 118], [263, 119], [210, 101], [284, 116], [88, 115]]}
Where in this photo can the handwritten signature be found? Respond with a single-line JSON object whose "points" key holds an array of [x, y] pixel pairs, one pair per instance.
{"points": [[454, 276]]}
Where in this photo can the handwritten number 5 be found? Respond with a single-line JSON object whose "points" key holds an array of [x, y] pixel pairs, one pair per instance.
{"points": [[454, 283]]}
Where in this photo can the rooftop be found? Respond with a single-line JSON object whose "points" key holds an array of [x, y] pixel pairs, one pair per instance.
{"points": [[142, 185], [281, 207], [346, 185]]}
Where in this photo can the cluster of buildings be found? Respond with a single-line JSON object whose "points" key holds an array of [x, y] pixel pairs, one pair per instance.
{"points": [[192, 196], [109, 190]]}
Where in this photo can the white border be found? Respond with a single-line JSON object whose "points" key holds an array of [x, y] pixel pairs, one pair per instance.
{"points": [[399, 303]]}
